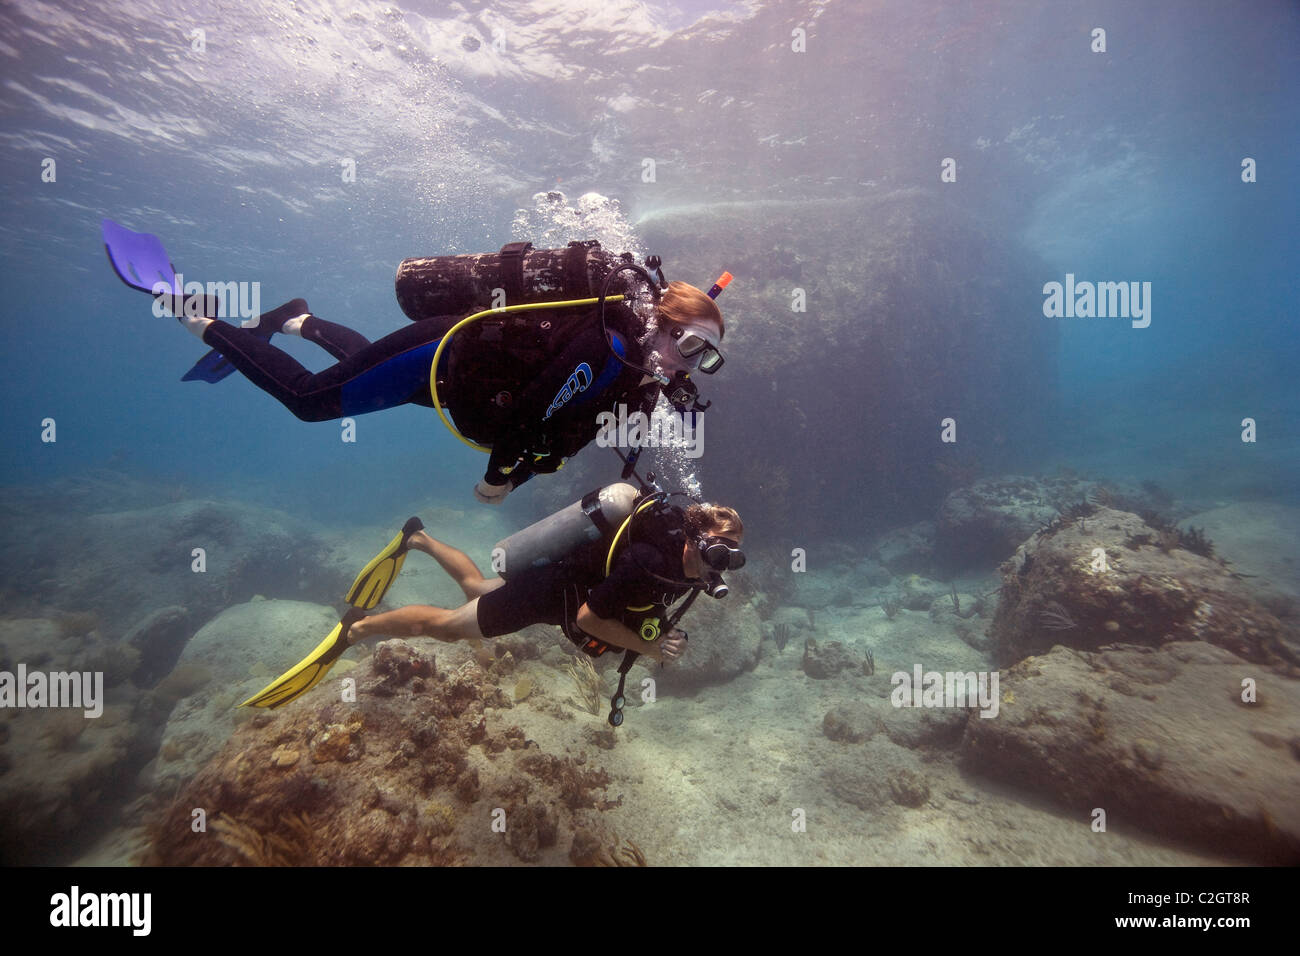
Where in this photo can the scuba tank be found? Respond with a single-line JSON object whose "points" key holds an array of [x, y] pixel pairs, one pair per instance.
{"points": [[549, 541], [452, 285]]}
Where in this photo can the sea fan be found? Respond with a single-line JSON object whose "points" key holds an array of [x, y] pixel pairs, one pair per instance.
{"points": [[1056, 618]]}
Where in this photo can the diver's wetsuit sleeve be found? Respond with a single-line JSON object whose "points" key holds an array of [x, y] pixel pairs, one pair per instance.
{"points": [[553, 400]]}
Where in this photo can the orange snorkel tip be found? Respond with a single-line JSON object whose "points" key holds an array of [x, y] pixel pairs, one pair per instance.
{"points": [[724, 280]]}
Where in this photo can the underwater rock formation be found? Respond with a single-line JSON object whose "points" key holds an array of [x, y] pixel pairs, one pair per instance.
{"points": [[985, 522], [132, 563], [61, 771], [907, 550], [725, 637], [850, 726], [867, 366], [1151, 593], [823, 661], [236, 654], [422, 768], [1159, 738]]}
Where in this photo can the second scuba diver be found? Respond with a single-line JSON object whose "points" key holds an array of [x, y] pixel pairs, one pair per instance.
{"points": [[527, 381], [613, 591]]}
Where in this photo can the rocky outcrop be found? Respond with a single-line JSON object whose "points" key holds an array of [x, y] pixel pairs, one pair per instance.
{"points": [[231, 658], [823, 661], [1151, 591], [1159, 738], [423, 768], [725, 636], [908, 550], [61, 770], [984, 523]]}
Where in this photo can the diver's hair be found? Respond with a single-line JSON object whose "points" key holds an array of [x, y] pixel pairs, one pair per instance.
{"points": [[682, 303], [712, 519]]}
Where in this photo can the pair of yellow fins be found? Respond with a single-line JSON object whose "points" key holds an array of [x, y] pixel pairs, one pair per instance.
{"points": [[365, 594]]}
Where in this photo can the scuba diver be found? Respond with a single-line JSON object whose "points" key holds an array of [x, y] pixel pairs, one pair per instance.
{"points": [[606, 570], [585, 332]]}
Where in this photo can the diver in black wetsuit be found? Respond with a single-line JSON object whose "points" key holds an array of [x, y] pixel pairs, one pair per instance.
{"points": [[534, 427], [597, 611]]}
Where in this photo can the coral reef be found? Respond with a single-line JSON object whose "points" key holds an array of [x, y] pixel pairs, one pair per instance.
{"points": [[410, 773], [233, 656]]}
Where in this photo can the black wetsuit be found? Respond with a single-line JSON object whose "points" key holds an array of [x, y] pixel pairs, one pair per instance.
{"points": [[548, 419], [631, 593]]}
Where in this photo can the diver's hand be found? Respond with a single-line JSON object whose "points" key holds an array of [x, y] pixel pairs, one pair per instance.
{"points": [[673, 646], [492, 494]]}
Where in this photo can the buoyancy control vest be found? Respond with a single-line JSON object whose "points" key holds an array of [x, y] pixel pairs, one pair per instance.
{"points": [[493, 359], [588, 536]]}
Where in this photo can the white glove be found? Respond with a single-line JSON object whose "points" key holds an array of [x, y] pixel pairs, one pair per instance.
{"points": [[492, 494]]}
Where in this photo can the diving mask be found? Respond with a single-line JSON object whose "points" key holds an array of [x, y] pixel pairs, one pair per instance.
{"points": [[701, 349], [720, 554]]}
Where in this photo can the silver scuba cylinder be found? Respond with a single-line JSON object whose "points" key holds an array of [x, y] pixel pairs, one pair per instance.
{"points": [[597, 515]]}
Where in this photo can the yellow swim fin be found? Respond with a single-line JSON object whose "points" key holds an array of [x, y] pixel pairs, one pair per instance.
{"points": [[372, 583], [365, 594], [309, 671]]}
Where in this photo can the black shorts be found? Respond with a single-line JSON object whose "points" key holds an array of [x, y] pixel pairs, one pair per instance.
{"points": [[542, 596]]}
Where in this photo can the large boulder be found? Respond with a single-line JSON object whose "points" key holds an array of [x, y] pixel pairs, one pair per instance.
{"points": [[1158, 738], [724, 641], [1152, 591]]}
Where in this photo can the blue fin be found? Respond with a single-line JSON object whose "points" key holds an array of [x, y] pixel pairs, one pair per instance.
{"points": [[212, 368], [138, 258]]}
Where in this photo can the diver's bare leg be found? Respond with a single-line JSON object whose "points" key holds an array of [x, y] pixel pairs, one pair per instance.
{"points": [[419, 620], [457, 564]]}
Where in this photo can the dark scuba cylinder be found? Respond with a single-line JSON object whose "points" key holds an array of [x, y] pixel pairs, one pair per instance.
{"points": [[595, 517], [455, 285]]}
